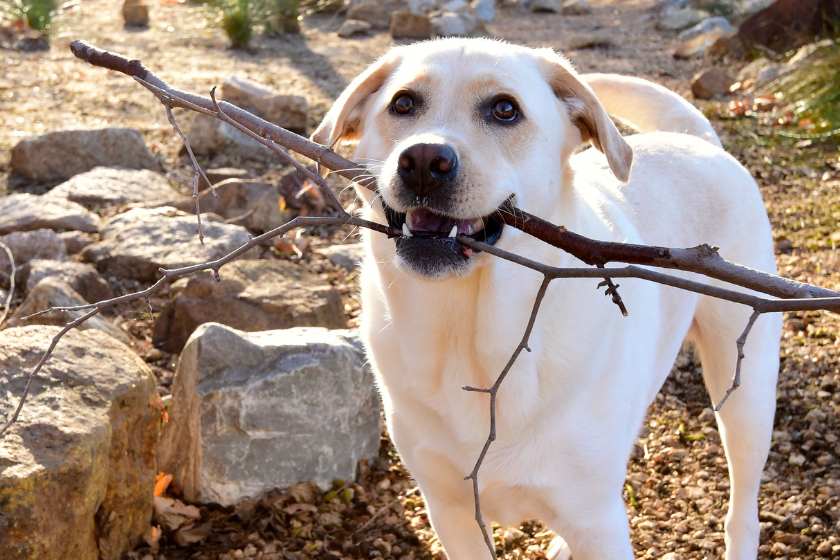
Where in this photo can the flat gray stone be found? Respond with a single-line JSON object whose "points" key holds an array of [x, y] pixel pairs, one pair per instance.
{"points": [[254, 295], [287, 111], [27, 246], [576, 8], [677, 19], [61, 154], [54, 292], [209, 136], [256, 411], [82, 277], [348, 255], [77, 468], [75, 241], [137, 243], [109, 186], [452, 24], [708, 25], [252, 204], [353, 27], [550, 6], [25, 212]]}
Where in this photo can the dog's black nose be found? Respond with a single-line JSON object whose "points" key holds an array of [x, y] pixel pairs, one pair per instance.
{"points": [[425, 167]]}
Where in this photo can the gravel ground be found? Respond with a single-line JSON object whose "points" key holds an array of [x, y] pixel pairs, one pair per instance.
{"points": [[677, 484]]}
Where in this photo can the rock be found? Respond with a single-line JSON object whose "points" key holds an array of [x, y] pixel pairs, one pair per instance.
{"points": [[726, 47], [450, 24], [108, 186], [256, 411], [353, 27], [484, 10], [256, 204], [711, 82], [544, 6], [255, 295], [590, 41], [219, 174], [32, 41], [57, 156], [455, 6], [786, 24], [811, 53], [698, 46], [78, 466], [576, 8], [54, 292], [750, 7], [407, 25], [349, 256], [139, 242], [677, 19], [82, 277], [712, 24], [208, 136], [26, 246], [26, 212], [287, 111], [135, 13], [374, 13], [75, 241]]}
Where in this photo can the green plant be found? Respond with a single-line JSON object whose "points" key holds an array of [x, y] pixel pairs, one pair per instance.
{"points": [[812, 91], [37, 14], [240, 18]]}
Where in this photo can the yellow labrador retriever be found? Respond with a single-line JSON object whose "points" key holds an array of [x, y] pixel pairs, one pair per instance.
{"points": [[453, 128]]}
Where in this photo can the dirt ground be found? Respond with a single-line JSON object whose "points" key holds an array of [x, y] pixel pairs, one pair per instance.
{"points": [[677, 483]]}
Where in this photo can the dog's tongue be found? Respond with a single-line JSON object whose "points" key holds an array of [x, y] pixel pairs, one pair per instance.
{"points": [[422, 219]]}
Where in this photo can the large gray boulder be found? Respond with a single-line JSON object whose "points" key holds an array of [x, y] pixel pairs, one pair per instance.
{"points": [[25, 212], [255, 295], [251, 204], [108, 186], [58, 155], [137, 243], [54, 292], [77, 469], [256, 411], [287, 111], [82, 277]]}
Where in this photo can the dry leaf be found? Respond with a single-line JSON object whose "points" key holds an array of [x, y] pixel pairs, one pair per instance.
{"points": [[305, 492], [162, 483], [295, 508]]}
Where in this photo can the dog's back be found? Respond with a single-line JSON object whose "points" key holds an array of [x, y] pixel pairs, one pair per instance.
{"points": [[649, 107]]}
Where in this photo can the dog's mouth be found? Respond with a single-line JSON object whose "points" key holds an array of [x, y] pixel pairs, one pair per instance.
{"points": [[428, 242]]}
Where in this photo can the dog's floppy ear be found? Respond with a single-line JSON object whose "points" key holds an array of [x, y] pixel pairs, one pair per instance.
{"points": [[587, 113], [344, 119]]}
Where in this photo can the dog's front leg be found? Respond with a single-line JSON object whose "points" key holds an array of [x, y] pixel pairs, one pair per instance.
{"points": [[451, 508]]}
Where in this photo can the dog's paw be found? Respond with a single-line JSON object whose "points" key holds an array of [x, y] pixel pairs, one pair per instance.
{"points": [[558, 550]]}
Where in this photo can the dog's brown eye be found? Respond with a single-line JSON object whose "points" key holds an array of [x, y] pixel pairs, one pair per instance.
{"points": [[504, 110], [403, 104]]}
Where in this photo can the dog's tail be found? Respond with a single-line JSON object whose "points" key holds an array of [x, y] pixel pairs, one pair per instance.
{"points": [[649, 107]]}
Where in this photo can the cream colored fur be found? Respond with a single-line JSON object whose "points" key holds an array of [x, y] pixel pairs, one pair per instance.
{"points": [[570, 410]]}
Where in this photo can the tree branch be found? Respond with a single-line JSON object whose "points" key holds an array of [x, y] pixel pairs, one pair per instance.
{"points": [[8, 303]]}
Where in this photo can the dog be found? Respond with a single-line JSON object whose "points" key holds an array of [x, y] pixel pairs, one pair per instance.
{"points": [[451, 129]]}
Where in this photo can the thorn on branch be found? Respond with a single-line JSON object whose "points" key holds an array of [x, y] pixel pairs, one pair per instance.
{"points": [[216, 275], [739, 344], [612, 290], [149, 308]]}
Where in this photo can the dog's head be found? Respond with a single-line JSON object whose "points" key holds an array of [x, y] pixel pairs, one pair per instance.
{"points": [[451, 129]]}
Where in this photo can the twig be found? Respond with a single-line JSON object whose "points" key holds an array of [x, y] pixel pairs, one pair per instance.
{"points": [[523, 345], [739, 344], [384, 508], [198, 171], [8, 303]]}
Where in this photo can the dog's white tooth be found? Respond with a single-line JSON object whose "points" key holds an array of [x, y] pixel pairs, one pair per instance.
{"points": [[470, 229], [406, 232], [454, 231]]}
